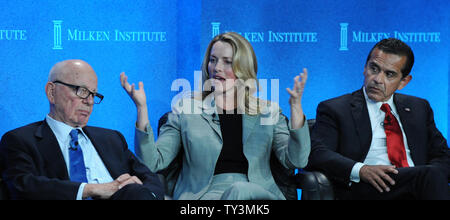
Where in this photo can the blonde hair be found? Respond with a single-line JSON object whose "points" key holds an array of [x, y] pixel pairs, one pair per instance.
{"points": [[245, 68]]}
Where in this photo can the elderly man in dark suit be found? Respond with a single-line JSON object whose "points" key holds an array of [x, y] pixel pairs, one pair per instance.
{"points": [[377, 144], [62, 158]]}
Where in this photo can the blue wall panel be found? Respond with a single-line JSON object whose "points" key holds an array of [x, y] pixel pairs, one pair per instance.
{"points": [[157, 42]]}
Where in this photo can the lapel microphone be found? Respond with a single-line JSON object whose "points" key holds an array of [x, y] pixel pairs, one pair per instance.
{"points": [[215, 118]]}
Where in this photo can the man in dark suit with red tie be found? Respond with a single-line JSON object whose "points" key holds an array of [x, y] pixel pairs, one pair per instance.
{"points": [[63, 158], [378, 144]]}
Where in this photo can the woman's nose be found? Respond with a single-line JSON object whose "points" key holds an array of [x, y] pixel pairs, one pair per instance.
{"points": [[218, 67]]}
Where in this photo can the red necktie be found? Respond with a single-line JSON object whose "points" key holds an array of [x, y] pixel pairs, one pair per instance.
{"points": [[394, 138]]}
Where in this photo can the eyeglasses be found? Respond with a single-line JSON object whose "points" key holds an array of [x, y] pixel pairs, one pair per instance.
{"points": [[83, 92]]}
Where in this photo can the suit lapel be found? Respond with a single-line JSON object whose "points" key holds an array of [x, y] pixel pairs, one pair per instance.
{"points": [[213, 121], [209, 113], [362, 121], [248, 124], [101, 148], [404, 112], [51, 152]]}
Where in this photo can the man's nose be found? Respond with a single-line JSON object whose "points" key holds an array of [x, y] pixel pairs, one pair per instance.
{"points": [[379, 78]]}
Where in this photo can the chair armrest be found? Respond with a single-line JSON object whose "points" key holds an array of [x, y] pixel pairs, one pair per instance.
{"points": [[315, 185]]}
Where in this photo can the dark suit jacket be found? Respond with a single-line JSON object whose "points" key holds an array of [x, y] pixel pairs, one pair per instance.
{"points": [[342, 134], [33, 166]]}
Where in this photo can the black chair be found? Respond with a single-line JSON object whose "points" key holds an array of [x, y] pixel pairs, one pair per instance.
{"points": [[314, 185]]}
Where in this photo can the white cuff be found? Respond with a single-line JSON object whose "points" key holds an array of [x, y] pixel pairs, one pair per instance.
{"points": [[80, 191], [354, 175]]}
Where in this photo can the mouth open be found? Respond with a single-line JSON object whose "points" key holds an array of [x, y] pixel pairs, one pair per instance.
{"points": [[221, 79]]}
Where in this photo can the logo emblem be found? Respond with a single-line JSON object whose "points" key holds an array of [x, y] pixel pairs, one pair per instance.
{"points": [[57, 42], [344, 37], [215, 29]]}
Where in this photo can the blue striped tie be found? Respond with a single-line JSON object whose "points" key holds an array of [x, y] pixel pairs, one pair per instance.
{"points": [[77, 167]]}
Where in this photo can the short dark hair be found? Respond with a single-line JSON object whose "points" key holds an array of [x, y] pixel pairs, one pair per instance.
{"points": [[397, 47]]}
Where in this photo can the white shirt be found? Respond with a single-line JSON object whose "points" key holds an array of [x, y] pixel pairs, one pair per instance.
{"points": [[377, 154], [96, 171]]}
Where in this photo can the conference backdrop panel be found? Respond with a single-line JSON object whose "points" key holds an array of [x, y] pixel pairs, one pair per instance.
{"points": [[162, 43]]}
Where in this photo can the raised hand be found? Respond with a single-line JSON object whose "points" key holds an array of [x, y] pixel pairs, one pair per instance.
{"points": [[297, 116], [137, 95], [139, 99], [299, 86]]}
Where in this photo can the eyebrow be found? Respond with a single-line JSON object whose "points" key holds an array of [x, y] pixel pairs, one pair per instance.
{"points": [[93, 91], [392, 72], [372, 63], [212, 56]]}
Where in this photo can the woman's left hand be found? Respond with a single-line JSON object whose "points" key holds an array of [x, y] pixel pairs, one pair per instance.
{"points": [[299, 86], [297, 116]]}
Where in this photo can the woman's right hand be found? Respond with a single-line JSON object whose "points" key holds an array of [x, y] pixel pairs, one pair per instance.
{"points": [[137, 95], [139, 99]]}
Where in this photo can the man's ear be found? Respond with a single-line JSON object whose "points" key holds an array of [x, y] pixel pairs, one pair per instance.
{"points": [[50, 92], [404, 82]]}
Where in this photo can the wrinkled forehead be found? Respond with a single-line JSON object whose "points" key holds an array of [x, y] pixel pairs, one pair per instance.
{"points": [[390, 61]]}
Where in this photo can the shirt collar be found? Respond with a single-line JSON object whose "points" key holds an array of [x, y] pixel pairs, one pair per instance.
{"points": [[377, 105], [61, 129]]}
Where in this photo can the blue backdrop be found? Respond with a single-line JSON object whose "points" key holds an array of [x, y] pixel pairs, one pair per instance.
{"points": [[158, 41]]}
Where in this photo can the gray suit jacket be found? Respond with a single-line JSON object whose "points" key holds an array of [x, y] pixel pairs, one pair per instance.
{"points": [[194, 125]]}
